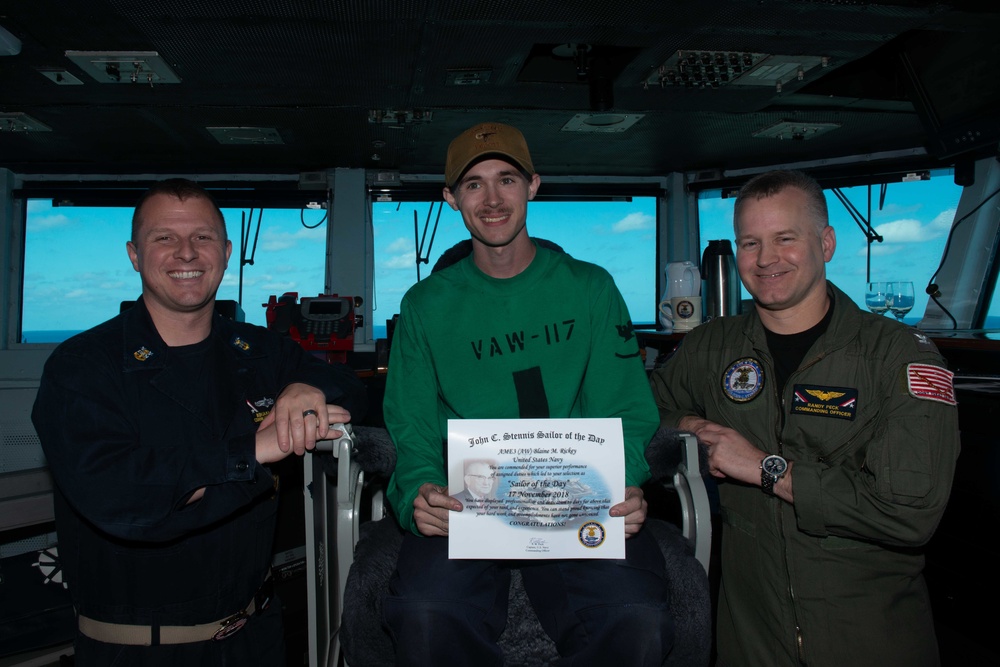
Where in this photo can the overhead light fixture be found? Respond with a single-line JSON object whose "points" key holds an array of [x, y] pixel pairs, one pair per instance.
{"points": [[246, 136], [774, 70], [60, 77], [128, 67], [467, 77], [9, 44], [385, 178], [21, 122], [795, 131], [716, 69], [601, 122], [399, 117]]}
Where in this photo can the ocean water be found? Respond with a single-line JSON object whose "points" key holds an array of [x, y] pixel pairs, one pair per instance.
{"points": [[59, 335], [50, 336]]}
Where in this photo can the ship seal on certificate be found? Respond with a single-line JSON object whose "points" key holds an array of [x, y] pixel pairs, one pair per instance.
{"points": [[591, 534]]}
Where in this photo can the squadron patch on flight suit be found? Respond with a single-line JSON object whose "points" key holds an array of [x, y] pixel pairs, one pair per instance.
{"points": [[743, 380], [931, 383], [816, 401]]}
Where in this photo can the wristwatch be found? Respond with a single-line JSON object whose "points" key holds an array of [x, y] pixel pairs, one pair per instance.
{"points": [[772, 468]]}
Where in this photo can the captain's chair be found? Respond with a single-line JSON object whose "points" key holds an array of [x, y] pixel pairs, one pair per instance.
{"points": [[674, 460]]}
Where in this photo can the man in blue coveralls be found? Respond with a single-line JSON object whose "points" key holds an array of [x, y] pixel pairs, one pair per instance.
{"points": [[158, 426]]}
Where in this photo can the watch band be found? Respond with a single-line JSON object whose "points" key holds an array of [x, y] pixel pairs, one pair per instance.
{"points": [[767, 482]]}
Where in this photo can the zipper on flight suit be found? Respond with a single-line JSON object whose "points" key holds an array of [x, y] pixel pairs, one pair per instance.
{"points": [[779, 428], [799, 639], [781, 530]]}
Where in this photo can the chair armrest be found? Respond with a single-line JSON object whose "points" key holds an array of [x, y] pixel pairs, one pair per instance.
{"points": [[350, 481], [690, 485], [675, 460]]}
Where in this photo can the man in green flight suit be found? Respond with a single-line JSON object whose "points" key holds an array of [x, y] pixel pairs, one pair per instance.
{"points": [[835, 432]]}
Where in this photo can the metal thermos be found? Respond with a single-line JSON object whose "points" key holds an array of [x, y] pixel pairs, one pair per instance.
{"points": [[722, 282]]}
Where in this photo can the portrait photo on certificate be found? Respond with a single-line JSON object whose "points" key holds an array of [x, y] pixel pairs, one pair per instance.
{"points": [[536, 488]]}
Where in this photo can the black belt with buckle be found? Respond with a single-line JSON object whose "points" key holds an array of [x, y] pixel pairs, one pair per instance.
{"points": [[152, 635], [260, 602]]}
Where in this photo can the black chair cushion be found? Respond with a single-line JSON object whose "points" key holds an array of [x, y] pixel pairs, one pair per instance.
{"points": [[367, 644]]}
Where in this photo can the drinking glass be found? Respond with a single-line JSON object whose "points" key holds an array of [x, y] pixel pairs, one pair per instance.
{"points": [[876, 298], [900, 298]]}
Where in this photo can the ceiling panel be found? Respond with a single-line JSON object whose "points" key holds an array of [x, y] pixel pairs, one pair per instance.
{"points": [[314, 72]]}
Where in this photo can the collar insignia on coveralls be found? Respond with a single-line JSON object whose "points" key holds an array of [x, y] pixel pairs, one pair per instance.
{"points": [[743, 380], [240, 344], [142, 353]]}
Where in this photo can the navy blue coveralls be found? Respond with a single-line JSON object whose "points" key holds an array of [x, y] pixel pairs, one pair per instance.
{"points": [[130, 432]]}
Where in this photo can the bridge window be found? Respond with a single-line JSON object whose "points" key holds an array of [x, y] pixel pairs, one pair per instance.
{"points": [[77, 273], [618, 234], [913, 221]]}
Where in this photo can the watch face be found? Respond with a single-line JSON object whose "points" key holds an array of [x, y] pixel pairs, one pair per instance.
{"points": [[774, 465]]}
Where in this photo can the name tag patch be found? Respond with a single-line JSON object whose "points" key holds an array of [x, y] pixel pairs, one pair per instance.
{"points": [[817, 401], [260, 408]]}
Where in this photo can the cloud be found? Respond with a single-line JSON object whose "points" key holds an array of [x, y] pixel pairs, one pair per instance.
{"points": [[910, 230], [879, 250], [891, 209], [944, 219], [402, 244], [398, 262], [632, 222], [93, 276], [38, 223], [280, 287], [273, 239]]}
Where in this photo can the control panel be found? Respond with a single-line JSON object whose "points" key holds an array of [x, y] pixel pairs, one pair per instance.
{"points": [[323, 323]]}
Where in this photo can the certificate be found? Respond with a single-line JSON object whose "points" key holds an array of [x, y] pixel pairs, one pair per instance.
{"points": [[536, 488]]}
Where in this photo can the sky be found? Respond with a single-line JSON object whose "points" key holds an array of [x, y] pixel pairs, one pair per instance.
{"points": [[914, 223], [77, 271]]}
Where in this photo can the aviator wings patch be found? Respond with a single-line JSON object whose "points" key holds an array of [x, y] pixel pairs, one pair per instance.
{"points": [[816, 401]]}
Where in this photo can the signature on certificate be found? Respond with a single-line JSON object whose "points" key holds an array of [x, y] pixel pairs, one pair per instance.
{"points": [[537, 545]]}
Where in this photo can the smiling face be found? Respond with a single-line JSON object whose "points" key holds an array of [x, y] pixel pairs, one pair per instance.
{"points": [[493, 197], [781, 253], [181, 253]]}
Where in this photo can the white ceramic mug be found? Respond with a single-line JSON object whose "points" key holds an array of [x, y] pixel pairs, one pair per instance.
{"points": [[684, 312]]}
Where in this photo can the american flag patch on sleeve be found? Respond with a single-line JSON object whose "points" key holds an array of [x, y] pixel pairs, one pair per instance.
{"points": [[931, 383]]}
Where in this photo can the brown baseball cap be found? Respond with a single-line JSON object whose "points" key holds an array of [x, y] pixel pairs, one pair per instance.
{"points": [[485, 139]]}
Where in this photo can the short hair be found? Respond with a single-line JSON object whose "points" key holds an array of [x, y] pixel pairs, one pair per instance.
{"points": [[771, 183], [178, 188]]}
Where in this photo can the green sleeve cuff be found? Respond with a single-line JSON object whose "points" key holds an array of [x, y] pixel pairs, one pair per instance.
{"points": [[807, 486]]}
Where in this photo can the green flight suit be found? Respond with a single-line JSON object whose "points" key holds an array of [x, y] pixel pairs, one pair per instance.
{"points": [[834, 579]]}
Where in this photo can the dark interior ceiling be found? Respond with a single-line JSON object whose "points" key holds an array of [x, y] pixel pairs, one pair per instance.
{"points": [[372, 83]]}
